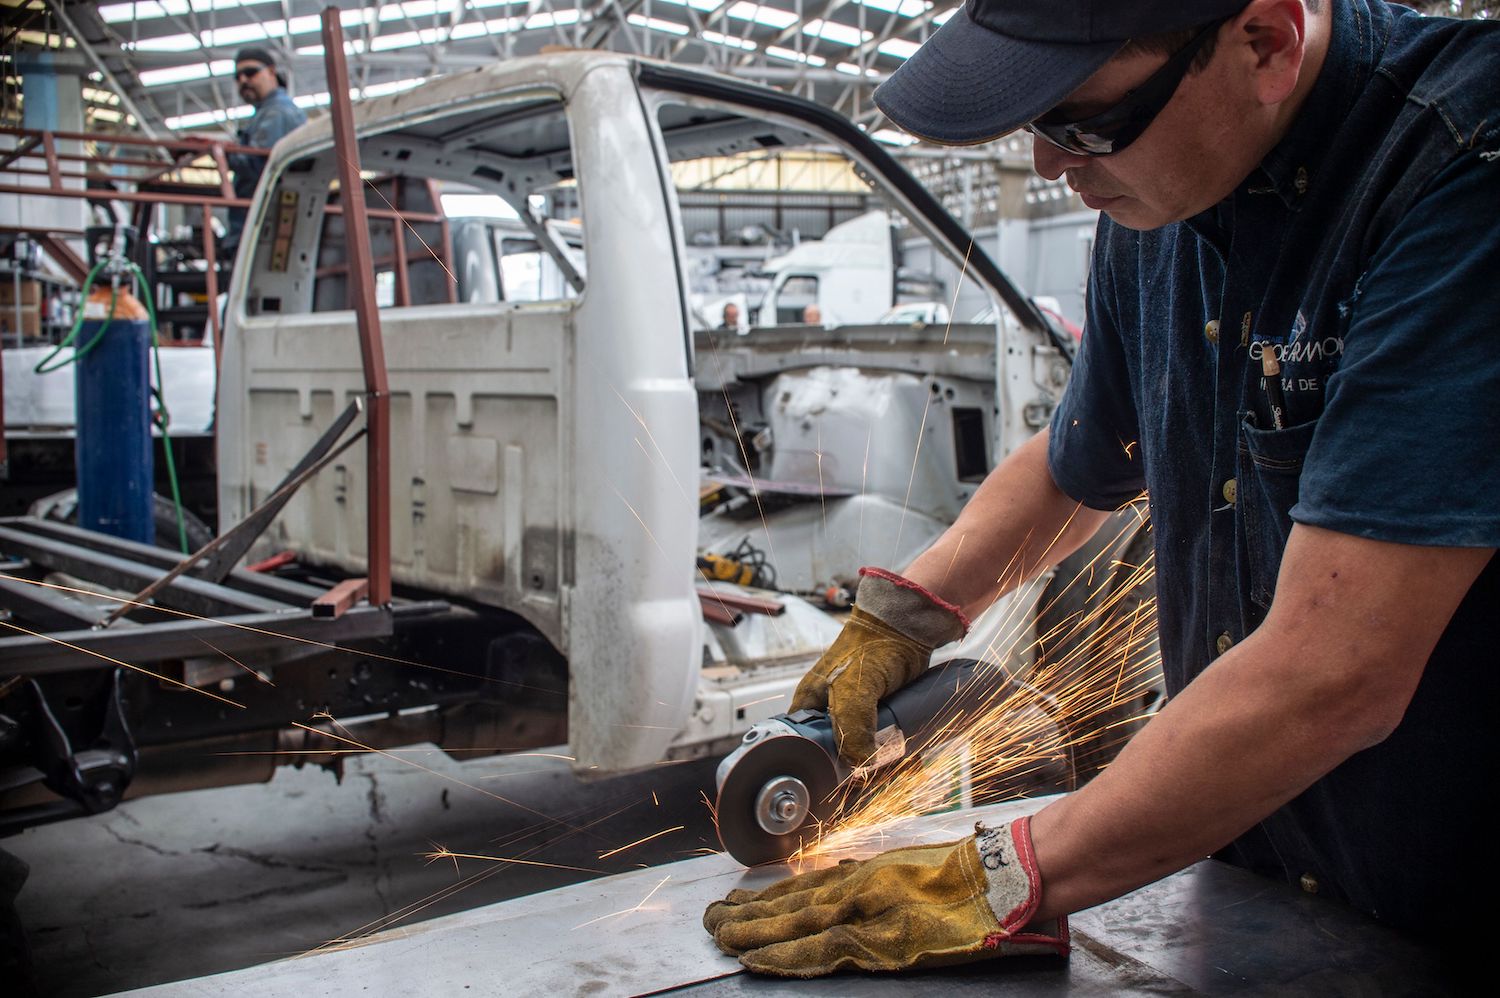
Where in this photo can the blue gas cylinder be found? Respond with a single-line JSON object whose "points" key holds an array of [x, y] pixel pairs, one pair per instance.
{"points": [[113, 405]]}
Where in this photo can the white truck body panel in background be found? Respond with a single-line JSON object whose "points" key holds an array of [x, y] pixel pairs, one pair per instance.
{"points": [[851, 267]]}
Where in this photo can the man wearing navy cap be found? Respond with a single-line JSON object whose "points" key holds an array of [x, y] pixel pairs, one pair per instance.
{"points": [[1290, 346], [261, 85]]}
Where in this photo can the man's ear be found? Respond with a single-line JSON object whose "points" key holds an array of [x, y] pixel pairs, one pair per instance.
{"points": [[1271, 38]]}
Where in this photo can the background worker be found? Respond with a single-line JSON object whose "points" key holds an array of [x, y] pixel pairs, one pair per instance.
{"points": [[731, 320], [275, 115], [1312, 180]]}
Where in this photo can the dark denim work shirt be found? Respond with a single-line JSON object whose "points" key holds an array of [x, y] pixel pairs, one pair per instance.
{"points": [[274, 117], [1364, 252]]}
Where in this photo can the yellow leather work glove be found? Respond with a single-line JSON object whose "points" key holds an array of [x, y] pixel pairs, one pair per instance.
{"points": [[887, 642], [922, 906]]}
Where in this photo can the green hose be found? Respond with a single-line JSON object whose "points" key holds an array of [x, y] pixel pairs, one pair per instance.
{"points": [[160, 417], [42, 366]]}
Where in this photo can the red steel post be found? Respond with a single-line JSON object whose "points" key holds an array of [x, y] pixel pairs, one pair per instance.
{"points": [[367, 316]]}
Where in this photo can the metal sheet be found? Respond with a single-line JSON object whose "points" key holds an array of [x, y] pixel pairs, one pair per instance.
{"points": [[1210, 929]]}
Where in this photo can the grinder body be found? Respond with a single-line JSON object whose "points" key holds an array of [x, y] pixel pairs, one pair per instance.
{"points": [[774, 788]]}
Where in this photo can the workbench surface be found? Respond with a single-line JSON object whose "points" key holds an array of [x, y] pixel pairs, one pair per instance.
{"points": [[1210, 929]]}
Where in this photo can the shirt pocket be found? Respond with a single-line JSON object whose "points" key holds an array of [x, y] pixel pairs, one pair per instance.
{"points": [[1269, 468]]}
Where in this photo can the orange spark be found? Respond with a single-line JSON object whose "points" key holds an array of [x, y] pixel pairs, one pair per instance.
{"points": [[441, 853], [654, 835], [637, 907]]}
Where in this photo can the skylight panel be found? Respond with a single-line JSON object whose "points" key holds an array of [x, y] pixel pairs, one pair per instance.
{"points": [[351, 47], [405, 39], [706, 6], [898, 47], [942, 19], [729, 41], [771, 17], [657, 24], [182, 74], [200, 118], [166, 43], [791, 55], [906, 8], [392, 87], [840, 34], [114, 13]]}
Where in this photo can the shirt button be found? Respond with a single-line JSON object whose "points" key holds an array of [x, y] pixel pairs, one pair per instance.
{"points": [[1224, 643], [1309, 883], [1231, 489], [1211, 330]]}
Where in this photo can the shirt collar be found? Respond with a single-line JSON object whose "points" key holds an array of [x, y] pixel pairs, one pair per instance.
{"points": [[1290, 169]]}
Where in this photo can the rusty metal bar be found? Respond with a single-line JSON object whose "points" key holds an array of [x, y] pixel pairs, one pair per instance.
{"points": [[183, 160], [199, 143], [211, 285], [716, 613], [235, 536], [450, 277], [27, 171], [743, 601], [23, 149], [398, 248], [338, 600], [225, 187], [51, 148], [159, 170], [362, 292], [337, 269], [408, 216], [148, 197]]}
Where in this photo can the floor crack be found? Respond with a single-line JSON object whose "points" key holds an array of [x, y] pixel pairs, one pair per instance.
{"points": [[281, 890], [152, 847], [260, 859]]}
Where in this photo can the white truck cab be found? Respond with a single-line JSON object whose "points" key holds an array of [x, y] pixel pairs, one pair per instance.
{"points": [[547, 453]]}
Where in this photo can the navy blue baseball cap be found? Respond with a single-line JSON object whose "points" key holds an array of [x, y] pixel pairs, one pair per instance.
{"points": [[998, 64]]}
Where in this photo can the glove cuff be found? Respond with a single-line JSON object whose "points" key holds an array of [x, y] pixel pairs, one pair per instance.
{"points": [[1014, 890], [903, 605]]}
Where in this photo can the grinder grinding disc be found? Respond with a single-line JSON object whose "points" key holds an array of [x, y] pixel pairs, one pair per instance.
{"points": [[774, 799]]}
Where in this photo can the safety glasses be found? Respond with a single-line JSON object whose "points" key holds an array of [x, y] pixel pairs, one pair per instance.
{"points": [[1112, 130]]}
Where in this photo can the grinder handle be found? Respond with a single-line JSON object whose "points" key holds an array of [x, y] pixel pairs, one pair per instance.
{"points": [[943, 690]]}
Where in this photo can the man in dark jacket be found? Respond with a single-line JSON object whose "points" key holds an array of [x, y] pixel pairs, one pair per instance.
{"points": [[275, 115], [1290, 347]]}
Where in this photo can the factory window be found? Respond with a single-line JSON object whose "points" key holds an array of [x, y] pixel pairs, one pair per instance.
{"points": [[410, 245], [473, 207], [786, 226]]}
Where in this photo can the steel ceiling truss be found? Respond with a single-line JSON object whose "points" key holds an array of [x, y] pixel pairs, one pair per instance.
{"points": [[398, 41]]}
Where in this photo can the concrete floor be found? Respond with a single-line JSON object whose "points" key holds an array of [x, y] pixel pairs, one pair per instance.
{"points": [[172, 887]]}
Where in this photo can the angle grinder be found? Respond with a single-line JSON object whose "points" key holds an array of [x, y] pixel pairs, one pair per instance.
{"points": [[775, 789]]}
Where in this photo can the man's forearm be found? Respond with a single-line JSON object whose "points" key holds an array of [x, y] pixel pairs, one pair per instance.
{"points": [[1016, 524], [1328, 674], [1227, 751]]}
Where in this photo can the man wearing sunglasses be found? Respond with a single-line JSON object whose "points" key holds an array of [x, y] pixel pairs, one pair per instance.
{"points": [[1290, 346], [260, 85]]}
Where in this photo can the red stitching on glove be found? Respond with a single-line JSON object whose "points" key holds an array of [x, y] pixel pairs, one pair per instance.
{"points": [[1020, 835], [906, 583]]}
